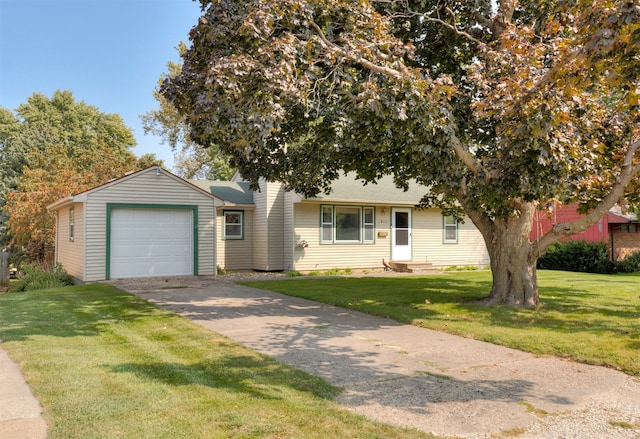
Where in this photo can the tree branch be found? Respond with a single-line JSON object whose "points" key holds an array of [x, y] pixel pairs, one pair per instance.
{"points": [[627, 173], [358, 58], [462, 153], [454, 28], [478, 218], [503, 18]]}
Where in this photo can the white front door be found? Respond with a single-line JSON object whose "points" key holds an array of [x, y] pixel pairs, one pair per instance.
{"points": [[400, 234]]}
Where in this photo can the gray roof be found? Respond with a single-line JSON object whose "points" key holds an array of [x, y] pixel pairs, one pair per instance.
{"points": [[346, 189], [233, 192], [349, 189], [628, 215]]}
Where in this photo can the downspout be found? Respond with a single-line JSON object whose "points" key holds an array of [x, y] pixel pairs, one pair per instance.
{"points": [[612, 245], [215, 240], [55, 255]]}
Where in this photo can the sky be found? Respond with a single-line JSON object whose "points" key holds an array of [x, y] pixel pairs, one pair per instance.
{"points": [[108, 53]]}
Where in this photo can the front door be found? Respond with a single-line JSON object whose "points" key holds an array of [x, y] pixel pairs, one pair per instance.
{"points": [[400, 234]]}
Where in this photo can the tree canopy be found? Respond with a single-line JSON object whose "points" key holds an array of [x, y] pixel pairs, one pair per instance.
{"points": [[51, 148], [191, 159], [498, 108]]}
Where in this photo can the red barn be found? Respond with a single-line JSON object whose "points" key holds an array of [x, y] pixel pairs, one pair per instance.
{"points": [[620, 231]]}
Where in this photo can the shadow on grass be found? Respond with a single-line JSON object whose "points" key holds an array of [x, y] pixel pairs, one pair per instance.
{"points": [[257, 376], [570, 304], [404, 299], [67, 312]]}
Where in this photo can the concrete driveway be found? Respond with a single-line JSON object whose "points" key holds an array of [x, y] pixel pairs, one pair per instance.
{"points": [[415, 377]]}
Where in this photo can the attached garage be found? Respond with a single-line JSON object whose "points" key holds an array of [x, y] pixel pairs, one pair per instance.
{"points": [[150, 241], [148, 223]]}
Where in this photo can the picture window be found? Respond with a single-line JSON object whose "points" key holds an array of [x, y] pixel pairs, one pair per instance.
{"points": [[347, 224]]}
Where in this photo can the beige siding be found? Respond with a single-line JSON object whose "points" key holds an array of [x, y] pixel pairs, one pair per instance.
{"points": [[268, 239], [289, 241], [260, 227], [427, 242], [326, 256], [428, 245], [235, 254], [70, 253], [150, 189]]}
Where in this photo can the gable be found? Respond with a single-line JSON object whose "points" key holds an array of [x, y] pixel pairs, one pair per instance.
{"points": [[151, 185]]}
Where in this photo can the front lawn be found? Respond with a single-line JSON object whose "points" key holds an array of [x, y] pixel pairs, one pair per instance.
{"points": [[107, 364], [590, 318]]}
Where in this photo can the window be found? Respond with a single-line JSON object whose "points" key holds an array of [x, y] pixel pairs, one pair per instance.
{"points": [[369, 224], [233, 224], [450, 226], [327, 224], [347, 224], [629, 228], [72, 214]]}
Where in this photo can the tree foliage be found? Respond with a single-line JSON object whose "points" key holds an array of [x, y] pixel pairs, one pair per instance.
{"points": [[499, 109], [191, 159], [57, 147]]}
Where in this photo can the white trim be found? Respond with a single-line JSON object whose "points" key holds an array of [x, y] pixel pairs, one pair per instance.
{"points": [[401, 252]]}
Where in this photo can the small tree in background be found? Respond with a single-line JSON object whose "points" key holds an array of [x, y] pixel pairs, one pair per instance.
{"points": [[191, 159], [65, 147]]}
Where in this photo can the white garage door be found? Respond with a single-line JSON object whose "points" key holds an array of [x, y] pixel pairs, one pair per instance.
{"points": [[151, 242]]}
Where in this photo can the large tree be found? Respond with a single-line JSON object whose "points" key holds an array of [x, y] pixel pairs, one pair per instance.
{"points": [[499, 107], [191, 159], [51, 148]]}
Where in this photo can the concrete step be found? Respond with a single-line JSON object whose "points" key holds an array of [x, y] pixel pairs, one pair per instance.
{"points": [[413, 267]]}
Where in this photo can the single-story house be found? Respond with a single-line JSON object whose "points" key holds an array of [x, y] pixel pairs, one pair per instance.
{"points": [[618, 229], [154, 223]]}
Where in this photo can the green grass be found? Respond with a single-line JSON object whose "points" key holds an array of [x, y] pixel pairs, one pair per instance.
{"points": [[107, 364], [590, 318]]}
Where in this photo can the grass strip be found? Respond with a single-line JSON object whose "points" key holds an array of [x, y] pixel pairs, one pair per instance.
{"points": [[590, 318], [106, 364]]}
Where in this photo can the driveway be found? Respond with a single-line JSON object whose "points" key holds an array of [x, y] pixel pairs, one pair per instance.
{"points": [[415, 377]]}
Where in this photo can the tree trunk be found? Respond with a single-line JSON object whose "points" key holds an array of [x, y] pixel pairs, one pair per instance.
{"points": [[513, 260], [515, 282]]}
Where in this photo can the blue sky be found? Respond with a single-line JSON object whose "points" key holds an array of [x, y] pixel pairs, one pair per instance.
{"points": [[108, 53]]}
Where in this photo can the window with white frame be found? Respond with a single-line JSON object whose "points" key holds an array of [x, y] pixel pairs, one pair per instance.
{"points": [[233, 224], [450, 226], [72, 220], [368, 219], [347, 224]]}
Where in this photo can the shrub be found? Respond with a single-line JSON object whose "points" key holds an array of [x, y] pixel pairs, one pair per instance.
{"points": [[579, 255], [39, 278], [222, 270], [630, 264], [333, 272]]}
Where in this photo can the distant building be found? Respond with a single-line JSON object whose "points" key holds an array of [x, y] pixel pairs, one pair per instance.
{"points": [[620, 231]]}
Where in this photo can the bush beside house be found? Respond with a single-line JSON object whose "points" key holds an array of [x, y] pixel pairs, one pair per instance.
{"points": [[586, 257]]}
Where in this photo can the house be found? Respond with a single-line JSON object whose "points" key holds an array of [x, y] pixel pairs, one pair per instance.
{"points": [[619, 230], [154, 223]]}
